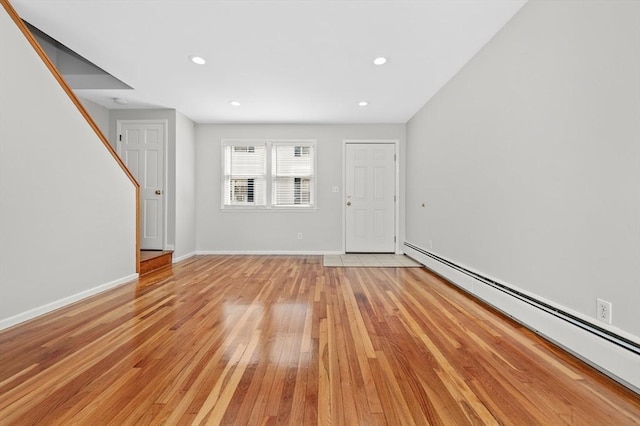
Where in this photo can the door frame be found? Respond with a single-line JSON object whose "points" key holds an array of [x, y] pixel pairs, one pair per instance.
{"points": [[165, 165], [396, 208]]}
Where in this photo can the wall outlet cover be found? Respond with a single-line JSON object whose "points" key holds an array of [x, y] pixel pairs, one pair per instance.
{"points": [[603, 311]]}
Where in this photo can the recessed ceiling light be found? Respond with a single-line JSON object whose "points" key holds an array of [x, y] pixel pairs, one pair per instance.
{"points": [[380, 60], [234, 103], [120, 101], [363, 103], [197, 60]]}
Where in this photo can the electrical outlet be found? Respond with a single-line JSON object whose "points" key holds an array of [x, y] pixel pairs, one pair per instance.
{"points": [[603, 311], [299, 235]]}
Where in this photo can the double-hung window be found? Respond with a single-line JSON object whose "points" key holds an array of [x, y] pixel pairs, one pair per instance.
{"points": [[292, 174], [245, 175], [269, 174]]}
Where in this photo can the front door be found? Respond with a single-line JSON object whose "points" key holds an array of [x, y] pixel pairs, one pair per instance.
{"points": [[370, 197], [141, 147]]}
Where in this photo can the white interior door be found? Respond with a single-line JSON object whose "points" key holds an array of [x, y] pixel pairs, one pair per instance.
{"points": [[370, 197], [141, 147]]}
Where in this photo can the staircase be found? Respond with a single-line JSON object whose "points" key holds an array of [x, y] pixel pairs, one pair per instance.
{"points": [[152, 260]]}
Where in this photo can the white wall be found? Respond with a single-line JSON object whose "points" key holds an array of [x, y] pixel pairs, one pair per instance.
{"points": [[67, 210], [185, 189], [529, 160], [170, 158], [276, 231], [99, 114]]}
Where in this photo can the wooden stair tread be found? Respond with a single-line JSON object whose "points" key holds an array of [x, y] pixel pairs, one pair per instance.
{"points": [[151, 260]]}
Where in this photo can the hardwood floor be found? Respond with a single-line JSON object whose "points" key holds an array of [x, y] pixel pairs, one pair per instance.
{"points": [[251, 340]]}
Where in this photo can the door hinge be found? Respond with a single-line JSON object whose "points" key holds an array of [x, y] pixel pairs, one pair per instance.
{"points": [[394, 157], [120, 138], [394, 199], [394, 239]]}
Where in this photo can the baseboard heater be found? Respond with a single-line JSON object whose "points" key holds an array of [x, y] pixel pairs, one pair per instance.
{"points": [[565, 316]]}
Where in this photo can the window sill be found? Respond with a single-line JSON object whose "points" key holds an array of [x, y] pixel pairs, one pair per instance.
{"points": [[230, 209]]}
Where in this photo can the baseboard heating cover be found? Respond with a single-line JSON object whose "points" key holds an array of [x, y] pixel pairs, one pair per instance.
{"points": [[621, 346]]}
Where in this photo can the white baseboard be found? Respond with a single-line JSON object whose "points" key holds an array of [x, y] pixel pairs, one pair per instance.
{"points": [[266, 253], [185, 257], [41, 310], [613, 360]]}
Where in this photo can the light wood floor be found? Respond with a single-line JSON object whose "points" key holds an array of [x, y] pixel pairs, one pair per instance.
{"points": [[282, 340]]}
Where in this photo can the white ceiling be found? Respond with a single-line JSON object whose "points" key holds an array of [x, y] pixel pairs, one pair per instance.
{"points": [[295, 61]]}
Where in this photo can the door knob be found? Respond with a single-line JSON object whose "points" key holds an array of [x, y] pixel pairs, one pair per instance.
{"points": [[348, 203], [158, 191]]}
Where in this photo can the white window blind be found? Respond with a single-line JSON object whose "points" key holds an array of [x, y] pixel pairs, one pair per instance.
{"points": [[292, 174], [245, 171]]}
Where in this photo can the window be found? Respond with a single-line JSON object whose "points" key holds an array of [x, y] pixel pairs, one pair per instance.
{"points": [[291, 173], [245, 175], [244, 149], [300, 151], [243, 190], [269, 174]]}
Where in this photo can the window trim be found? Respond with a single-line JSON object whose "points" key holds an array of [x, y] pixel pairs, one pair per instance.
{"points": [[269, 143]]}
